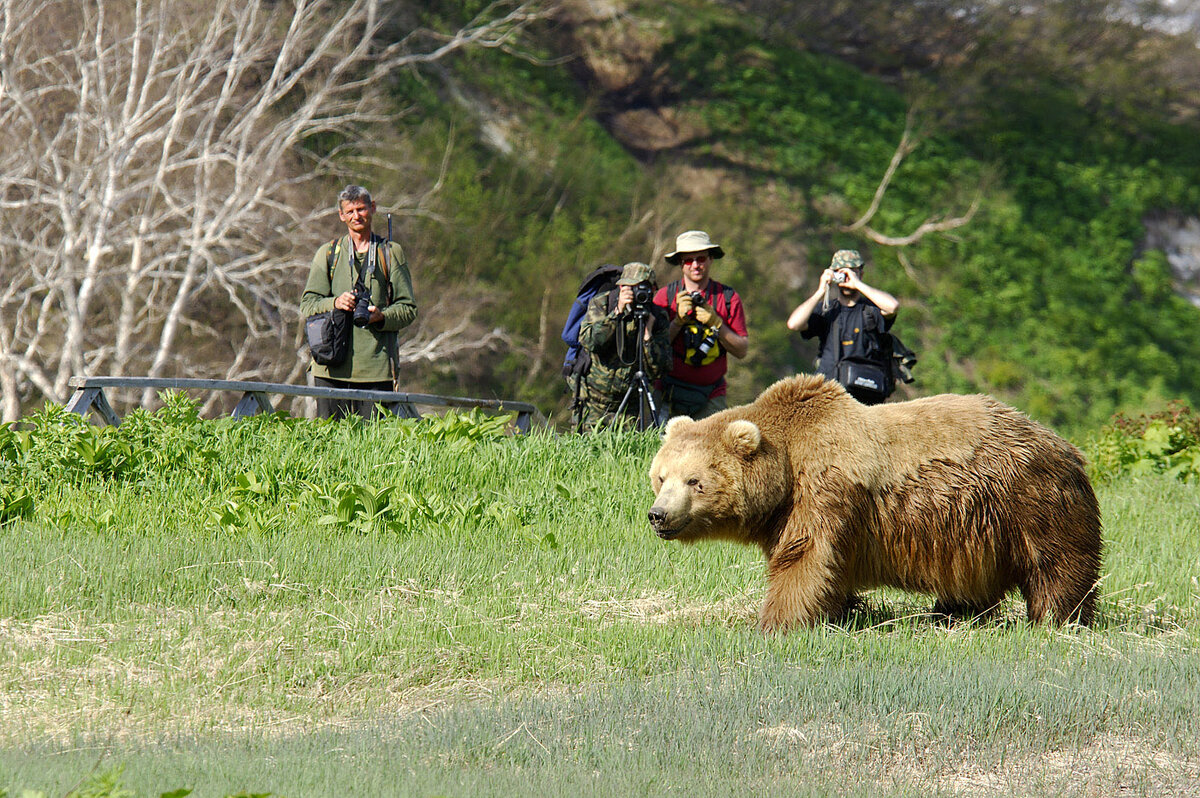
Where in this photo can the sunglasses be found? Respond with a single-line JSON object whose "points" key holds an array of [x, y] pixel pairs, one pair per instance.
{"points": [[701, 258]]}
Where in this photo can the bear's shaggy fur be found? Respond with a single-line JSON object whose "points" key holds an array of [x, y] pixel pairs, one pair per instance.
{"points": [[961, 497]]}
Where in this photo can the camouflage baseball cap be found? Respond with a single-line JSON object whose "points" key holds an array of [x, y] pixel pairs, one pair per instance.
{"points": [[634, 273], [846, 259]]}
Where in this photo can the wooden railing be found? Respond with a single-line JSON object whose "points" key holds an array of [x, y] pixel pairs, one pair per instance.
{"points": [[89, 397]]}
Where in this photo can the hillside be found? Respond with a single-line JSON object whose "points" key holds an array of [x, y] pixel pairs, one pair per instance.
{"points": [[1024, 177], [614, 129]]}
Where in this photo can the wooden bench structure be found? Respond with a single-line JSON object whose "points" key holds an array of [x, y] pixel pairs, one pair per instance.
{"points": [[89, 396]]}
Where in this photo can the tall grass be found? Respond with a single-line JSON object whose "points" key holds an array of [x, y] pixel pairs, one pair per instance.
{"points": [[310, 609]]}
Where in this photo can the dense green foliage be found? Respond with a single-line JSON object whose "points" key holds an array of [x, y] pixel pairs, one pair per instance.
{"points": [[1166, 442], [1048, 298]]}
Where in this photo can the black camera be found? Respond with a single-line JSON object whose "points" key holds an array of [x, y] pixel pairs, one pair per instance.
{"points": [[697, 299], [643, 296], [362, 305]]}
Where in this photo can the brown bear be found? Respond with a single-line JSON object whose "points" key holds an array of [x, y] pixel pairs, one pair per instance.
{"points": [[961, 497]]}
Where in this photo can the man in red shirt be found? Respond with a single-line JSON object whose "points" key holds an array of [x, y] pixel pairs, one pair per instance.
{"points": [[707, 322]]}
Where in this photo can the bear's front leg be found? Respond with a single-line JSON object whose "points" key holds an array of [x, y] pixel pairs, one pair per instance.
{"points": [[805, 583]]}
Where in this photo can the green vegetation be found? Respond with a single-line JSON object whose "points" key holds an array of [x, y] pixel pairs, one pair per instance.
{"points": [[490, 615], [1050, 298], [1166, 442]]}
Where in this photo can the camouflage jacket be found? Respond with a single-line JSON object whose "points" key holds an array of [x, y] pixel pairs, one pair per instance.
{"points": [[612, 368]]}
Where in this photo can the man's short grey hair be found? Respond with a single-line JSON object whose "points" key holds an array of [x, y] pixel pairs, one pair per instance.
{"points": [[354, 194]]}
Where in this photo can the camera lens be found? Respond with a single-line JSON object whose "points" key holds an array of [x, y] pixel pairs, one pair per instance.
{"points": [[362, 312]]}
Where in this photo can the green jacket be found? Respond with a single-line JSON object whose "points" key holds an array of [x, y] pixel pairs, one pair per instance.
{"points": [[372, 347]]}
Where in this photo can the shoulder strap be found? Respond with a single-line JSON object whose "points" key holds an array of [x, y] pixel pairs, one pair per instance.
{"points": [[331, 257], [387, 253], [673, 288], [613, 298]]}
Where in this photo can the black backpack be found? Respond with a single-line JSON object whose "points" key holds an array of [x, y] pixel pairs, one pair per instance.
{"points": [[877, 373], [578, 361]]}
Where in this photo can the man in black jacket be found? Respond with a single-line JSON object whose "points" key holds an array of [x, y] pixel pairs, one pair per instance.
{"points": [[849, 325]]}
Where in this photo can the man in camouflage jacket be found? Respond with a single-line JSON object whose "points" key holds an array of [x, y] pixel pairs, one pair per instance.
{"points": [[608, 332]]}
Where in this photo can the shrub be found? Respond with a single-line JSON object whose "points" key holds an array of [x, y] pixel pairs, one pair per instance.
{"points": [[1166, 442]]}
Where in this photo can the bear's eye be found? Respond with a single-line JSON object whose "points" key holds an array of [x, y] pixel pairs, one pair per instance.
{"points": [[694, 483]]}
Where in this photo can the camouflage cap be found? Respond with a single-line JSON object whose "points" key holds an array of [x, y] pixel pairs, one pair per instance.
{"points": [[635, 272], [846, 259]]}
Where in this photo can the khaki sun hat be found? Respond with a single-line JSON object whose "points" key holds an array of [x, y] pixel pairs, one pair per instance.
{"points": [[635, 272], [694, 241]]}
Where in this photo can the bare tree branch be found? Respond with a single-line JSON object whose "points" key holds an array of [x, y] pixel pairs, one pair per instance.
{"points": [[155, 159], [932, 224]]}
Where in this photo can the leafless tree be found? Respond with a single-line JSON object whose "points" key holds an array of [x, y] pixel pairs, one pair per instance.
{"points": [[932, 224], [156, 169]]}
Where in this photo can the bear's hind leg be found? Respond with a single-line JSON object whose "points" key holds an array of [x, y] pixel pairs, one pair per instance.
{"points": [[1067, 596]]}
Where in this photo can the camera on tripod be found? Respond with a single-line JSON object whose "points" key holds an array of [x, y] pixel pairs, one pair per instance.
{"points": [[643, 297]]}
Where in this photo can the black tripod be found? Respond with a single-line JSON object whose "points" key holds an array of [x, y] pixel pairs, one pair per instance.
{"points": [[639, 386]]}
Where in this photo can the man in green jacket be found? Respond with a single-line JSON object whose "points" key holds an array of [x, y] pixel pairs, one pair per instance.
{"points": [[336, 267]]}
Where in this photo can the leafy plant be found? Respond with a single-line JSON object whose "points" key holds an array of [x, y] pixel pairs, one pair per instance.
{"points": [[360, 508], [1166, 442], [14, 503]]}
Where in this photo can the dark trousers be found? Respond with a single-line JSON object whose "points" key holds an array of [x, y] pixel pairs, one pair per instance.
{"points": [[340, 408]]}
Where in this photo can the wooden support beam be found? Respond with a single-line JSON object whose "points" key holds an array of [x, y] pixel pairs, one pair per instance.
{"points": [[89, 396], [85, 399]]}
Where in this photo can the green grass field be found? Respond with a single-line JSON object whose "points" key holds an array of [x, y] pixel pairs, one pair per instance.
{"points": [[307, 609]]}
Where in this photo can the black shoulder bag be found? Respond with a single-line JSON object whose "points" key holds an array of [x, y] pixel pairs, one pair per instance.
{"points": [[328, 333], [861, 373]]}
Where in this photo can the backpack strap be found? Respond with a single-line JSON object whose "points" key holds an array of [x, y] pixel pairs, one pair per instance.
{"points": [[331, 258], [673, 288], [613, 299]]}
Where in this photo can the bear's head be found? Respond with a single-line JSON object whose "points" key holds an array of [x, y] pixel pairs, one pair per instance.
{"points": [[715, 478]]}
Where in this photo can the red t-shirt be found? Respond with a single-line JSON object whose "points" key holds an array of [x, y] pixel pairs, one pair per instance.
{"points": [[731, 313]]}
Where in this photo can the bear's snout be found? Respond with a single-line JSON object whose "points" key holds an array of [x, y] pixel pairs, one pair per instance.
{"points": [[658, 520]]}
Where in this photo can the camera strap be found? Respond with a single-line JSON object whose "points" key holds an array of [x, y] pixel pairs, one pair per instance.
{"points": [[367, 267]]}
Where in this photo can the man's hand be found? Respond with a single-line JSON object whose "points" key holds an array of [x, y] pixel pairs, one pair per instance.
{"points": [[624, 298], [852, 282], [376, 314], [345, 301], [707, 316], [683, 304]]}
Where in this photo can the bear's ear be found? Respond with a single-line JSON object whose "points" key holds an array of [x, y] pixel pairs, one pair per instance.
{"points": [[677, 424], [743, 437]]}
